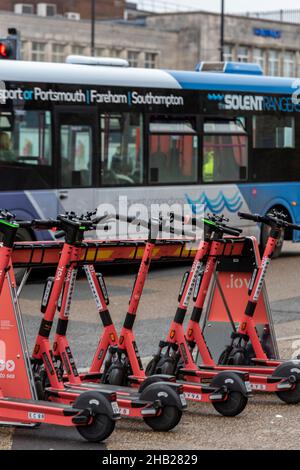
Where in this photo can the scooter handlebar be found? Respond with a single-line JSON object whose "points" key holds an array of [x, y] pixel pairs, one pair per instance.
{"points": [[24, 224], [40, 224], [283, 223], [235, 232], [109, 217], [294, 226], [269, 220], [253, 217]]}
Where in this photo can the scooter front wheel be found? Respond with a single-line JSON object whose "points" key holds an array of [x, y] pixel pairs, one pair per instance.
{"points": [[98, 430], [233, 406], [289, 371], [116, 376], [164, 366], [168, 419], [290, 397]]}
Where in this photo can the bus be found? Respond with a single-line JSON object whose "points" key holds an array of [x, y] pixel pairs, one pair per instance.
{"points": [[77, 134]]}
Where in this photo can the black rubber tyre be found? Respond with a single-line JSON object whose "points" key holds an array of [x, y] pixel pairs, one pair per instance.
{"points": [[223, 359], [233, 406], [148, 370], [167, 420], [237, 357], [100, 429], [116, 376], [291, 397], [167, 368]]}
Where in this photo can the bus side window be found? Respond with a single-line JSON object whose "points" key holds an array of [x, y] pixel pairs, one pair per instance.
{"points": [[275, 155], [273, 132], [173, 150], [122, 149], [25, 137], [225, 151]]}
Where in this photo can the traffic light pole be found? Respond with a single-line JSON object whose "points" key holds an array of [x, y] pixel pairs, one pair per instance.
{"points": [[93, 21], [222, 30]]}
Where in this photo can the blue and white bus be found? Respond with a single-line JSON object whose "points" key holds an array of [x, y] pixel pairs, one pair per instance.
{"points": [[77, 134]]}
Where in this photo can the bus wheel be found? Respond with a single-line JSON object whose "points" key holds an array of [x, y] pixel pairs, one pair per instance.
{"points": [[22, 236], [265, 231]]}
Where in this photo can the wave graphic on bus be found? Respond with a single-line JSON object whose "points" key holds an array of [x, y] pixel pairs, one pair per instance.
{"points": [[217, 205]]}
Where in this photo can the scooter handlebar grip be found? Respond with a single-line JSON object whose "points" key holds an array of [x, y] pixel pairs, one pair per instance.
{"points": [[235, 232], [45, 224], [253, 217], [24, 223], [293, 226], [127, 219], [59, 234], [108, 217]]}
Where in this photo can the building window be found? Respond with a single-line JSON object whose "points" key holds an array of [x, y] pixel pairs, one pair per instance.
{"points": [[24, 50], [289, 64], [116, 53], [78, 50], [273, 63], [100, 52], [38, 51], [259, 57], [150, 60], [133, 58], [243, 54], [228, 53], [58, 53]]}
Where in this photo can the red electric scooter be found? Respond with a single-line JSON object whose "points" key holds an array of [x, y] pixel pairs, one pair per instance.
{"points": [[282, 380], [236, 352], [93, 413], [158, 402], [228, 390]]}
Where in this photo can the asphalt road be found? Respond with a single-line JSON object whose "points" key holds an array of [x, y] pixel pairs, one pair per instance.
{"points": [[266, 422]]}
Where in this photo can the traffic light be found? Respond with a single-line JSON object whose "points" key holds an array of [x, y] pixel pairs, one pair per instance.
{"points": [[6, 50], [10, 46]]}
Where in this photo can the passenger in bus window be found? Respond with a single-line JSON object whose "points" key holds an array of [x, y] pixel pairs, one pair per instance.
{"points": [[120, 168], [6, 152], [208, 166]]}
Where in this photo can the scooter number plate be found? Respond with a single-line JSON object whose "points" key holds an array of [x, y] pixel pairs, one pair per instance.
{"points": [[115, 407], [248, 387], [182, 399]]}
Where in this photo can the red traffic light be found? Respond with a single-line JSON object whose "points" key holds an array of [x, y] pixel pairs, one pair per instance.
{"points": [[5, 50]]}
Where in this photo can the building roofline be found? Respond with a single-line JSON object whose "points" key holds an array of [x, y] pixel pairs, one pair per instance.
{"points": [[213, 13]]}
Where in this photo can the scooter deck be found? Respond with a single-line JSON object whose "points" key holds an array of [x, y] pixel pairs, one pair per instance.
{"points": [[126, 392], [67, 409]]}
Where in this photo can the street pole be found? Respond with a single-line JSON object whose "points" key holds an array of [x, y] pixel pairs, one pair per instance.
{"points": [[93, 21], [222, 30]]}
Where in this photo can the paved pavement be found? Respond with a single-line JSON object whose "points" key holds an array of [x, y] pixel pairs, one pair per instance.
{"points": [[266, 422]]}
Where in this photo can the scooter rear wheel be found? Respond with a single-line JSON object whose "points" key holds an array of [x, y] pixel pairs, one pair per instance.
{"points": [[233, 406], [98, 430], [291, 397], [167, 420]]}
